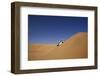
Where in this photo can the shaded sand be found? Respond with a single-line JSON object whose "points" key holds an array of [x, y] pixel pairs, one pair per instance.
{"points": [[74, 47]]}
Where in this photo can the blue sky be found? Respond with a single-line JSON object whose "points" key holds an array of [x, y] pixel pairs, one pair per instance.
{"points": [[51, 29]]}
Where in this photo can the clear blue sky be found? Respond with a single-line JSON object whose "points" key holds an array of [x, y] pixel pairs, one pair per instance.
{"points": [[51, 29]]}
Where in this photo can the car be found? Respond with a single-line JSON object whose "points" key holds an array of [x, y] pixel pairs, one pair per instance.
{"points": [[60, 42]]}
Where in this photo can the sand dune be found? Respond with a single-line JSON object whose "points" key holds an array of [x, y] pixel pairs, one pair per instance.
{"points": [[74, 47]]}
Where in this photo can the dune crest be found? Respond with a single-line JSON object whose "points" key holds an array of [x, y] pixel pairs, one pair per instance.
{"points": [[74, 47]]}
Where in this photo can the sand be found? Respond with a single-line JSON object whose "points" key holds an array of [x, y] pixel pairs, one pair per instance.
{"points": [[73, 48]]}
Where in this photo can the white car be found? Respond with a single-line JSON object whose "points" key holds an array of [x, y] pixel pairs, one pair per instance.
{"points": [[60, 42]]}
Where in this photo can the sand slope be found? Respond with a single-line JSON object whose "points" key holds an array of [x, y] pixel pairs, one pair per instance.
{"points": [[74, 47]]}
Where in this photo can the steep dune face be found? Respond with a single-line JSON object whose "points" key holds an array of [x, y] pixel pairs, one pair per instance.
{"points": [[74, 47]]}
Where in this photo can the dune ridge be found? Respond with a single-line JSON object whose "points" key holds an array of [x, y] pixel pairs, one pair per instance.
{"points": [[72, 48]]}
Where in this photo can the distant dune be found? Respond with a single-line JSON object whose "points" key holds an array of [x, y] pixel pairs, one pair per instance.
{"points": [[74, 47]]}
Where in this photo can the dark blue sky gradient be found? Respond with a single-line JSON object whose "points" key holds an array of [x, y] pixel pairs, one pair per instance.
{"points": [[51, 29]]}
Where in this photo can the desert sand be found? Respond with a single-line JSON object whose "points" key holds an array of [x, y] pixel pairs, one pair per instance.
{"points": [[72, 48]]}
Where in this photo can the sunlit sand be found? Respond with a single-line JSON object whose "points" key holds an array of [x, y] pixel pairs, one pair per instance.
{"points": [[72, 48]]}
